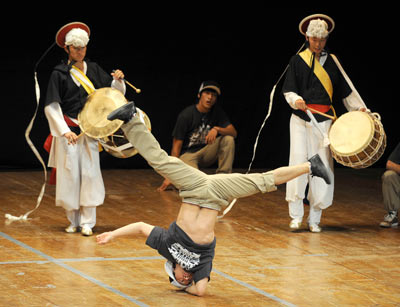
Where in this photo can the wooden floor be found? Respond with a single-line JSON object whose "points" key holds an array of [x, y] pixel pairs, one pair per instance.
{"points": [[258, 261]]}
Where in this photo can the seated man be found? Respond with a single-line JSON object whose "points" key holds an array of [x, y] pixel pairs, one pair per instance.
{"points": [[391, 189], [189, 243], [203, 133]]}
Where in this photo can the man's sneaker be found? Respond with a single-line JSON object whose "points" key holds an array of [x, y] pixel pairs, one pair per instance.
{"points": [[86, 230], [71, 229], [314, 228], [390, 220], [124, 113], [319, 169], [295, 224]]}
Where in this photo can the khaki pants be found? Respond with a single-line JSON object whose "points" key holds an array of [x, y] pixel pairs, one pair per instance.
{"points": [[223, 150], [195, 187], [391, 190]]}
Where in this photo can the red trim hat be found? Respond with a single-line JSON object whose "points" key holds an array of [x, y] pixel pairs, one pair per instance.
{"points": [[60, 36], [306, 21]]}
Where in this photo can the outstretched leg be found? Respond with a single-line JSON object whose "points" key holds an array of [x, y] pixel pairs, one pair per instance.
{"points": [[287, 173], [220, 187], [182, 176]]}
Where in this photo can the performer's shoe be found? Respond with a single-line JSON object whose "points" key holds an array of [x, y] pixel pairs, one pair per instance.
{"points": [[86, 231], [295, 224], [319, 169], [71, 229], [124, 113], [390, 220], [314, 228]]}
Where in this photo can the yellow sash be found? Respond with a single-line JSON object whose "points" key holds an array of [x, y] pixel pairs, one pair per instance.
{"points": [[86, 83], [319, 71]]}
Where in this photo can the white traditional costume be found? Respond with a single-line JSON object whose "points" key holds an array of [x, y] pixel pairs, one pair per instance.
{"points": [[79, 183], [318, 83]]}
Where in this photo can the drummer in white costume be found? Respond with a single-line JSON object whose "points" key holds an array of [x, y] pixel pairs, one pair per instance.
{"points": [[313, 80], [79, 183]]}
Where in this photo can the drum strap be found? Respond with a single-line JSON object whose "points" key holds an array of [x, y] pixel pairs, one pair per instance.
{"points": [[319, 71], [346, 77], [85, 82], [83, 79]]}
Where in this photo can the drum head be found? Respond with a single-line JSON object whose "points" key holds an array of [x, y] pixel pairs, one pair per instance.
{"points": [[93, 117], [351, 132]]}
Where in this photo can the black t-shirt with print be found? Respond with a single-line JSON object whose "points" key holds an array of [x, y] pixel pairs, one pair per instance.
{"points": [[193, 126], [176, 246]]}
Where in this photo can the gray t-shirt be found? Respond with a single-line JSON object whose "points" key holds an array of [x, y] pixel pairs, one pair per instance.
{"points": [[176, 246]]}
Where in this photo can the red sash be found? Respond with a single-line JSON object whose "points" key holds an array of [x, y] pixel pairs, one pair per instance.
{"points": [[319, 107], [47, 146]]}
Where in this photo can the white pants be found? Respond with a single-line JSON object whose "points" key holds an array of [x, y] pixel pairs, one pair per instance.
{"points": [[79, 186], [85, 216], [306, 141]]}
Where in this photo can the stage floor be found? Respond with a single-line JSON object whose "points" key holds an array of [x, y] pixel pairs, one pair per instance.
{"points": [[258, 261]]}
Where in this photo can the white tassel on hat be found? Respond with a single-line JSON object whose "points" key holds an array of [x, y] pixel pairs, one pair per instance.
{"points": [[77, 37], [317, 28]]}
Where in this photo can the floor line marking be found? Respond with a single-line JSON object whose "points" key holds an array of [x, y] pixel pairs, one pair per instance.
{"points": [[255, 289], [61, 263], [71, 269]]}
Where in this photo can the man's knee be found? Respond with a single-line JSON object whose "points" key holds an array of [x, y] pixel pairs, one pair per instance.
{"points": [[228, 140], [389, 176], [227, 143]]}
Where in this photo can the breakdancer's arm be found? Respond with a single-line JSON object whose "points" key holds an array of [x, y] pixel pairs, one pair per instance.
{"points": [[199, 288], [138, 228]]}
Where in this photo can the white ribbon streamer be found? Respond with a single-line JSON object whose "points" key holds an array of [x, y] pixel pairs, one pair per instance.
{"points": [[27, 132], [325, 137], [271, 97]]}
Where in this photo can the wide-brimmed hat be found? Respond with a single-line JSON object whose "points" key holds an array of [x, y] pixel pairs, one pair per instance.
{"points": [[60, 36], [306, 21]]}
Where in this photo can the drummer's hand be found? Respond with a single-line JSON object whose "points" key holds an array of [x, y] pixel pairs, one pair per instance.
{"points": [[71, 137], [300, 104], [362, 109], [118, 74]]}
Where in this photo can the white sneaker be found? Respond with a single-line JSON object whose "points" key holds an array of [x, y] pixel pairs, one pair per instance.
{"points": [[390, 220], [314, 228], [295, 224], [71, 229], [86, 231]]}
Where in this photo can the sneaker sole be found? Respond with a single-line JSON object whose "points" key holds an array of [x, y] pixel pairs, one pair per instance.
{"points": [[389, 225]]}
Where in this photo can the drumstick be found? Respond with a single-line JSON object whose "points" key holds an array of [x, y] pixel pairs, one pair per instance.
{"points": [[323, 114], [136, 89]]}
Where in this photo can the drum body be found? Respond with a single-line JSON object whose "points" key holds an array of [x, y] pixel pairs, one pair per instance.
{"points": [[357, 139], [117, 144], [94, 123]]}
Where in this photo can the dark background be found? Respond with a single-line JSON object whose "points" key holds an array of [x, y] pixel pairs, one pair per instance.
{"points": [[167, 52]]}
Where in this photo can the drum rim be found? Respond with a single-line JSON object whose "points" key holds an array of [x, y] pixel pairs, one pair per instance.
{"points": [[129, 152]]}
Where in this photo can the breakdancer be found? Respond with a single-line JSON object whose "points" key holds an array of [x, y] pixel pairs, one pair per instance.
{"points": [[189, 243]]}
